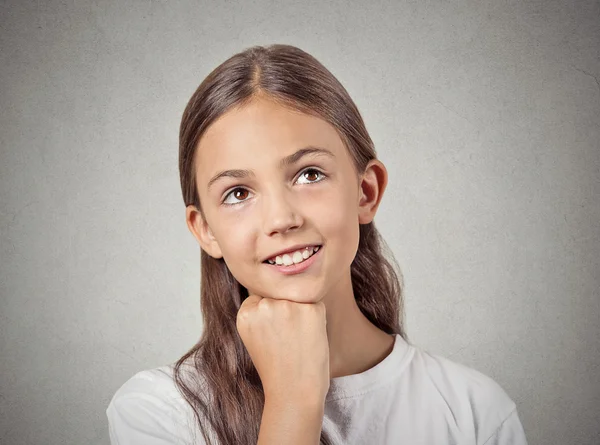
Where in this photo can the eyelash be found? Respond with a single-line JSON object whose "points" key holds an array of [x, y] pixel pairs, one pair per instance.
{"points": [[303, 172]]}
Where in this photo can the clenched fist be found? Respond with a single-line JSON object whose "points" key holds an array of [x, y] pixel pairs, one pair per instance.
{"points": [[288, 344]]}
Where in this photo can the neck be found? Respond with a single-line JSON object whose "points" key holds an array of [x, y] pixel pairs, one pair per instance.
{"points": [[355, 344]]}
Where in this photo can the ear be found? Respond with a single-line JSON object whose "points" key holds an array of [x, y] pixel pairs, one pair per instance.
{"points": [[372, 185], [199, 227]]}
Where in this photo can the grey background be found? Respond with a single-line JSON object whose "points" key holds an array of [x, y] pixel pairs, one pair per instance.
{"points": [[485, 113]]}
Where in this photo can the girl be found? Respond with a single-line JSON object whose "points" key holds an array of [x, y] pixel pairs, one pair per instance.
{"points": [[303, 340]]}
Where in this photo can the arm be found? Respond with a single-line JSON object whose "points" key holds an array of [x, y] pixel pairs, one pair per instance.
{"points": [[292, 423]]}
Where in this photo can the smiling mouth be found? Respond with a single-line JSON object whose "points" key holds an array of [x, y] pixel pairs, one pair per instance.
{"points": [[299, 267], [296, 257]]}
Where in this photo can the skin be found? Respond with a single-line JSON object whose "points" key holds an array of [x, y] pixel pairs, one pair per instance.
{"points": [[281, 207]]}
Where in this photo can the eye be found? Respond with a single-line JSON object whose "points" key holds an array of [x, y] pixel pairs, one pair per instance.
{"points": [[313, 172], [236, 191]]}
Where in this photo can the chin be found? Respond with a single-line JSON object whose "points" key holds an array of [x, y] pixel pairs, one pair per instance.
{"points": [[311, 291], [303, 298], [298, 296]]}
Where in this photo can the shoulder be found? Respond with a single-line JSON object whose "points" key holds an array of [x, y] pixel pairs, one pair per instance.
{"points": [[155, 385], [475, 399], [156, 380], [149, 409], [465, 382]]}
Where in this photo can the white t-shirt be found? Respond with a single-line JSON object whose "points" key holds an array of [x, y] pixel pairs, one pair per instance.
{"points": [[411, 398]]}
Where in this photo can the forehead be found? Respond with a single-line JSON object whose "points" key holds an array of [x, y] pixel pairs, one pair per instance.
{"points": [[260, 133]]}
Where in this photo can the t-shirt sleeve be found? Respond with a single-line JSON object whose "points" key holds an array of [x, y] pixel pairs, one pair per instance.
{"points": [[138, 419], [480, 404], [510, 432], [145, 412]]}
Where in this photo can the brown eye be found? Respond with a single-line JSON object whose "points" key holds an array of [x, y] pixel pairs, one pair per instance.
{"points": [[237, 192], [308, 173], [236, 196], [312, 175]]}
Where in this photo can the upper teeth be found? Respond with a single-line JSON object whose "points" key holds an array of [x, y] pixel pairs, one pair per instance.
{"points": [[296, 257]]}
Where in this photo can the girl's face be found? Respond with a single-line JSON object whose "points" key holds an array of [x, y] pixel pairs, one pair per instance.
{"points": [[263, 192]]}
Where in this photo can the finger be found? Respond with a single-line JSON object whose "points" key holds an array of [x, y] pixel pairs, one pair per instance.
{"points": [[248, 306]]}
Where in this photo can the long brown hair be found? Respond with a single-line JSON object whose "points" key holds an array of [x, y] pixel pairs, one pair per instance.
{"points": [[217, 376]]}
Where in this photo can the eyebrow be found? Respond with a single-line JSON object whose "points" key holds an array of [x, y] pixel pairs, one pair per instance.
{"points": [[288, 160]]}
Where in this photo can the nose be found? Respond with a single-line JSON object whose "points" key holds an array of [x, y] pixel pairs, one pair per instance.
{"points": [[279, 214]]}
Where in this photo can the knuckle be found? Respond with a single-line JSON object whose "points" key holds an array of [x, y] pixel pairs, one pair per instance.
{"points": [[287, 309], [265, 304], [318, 310]]}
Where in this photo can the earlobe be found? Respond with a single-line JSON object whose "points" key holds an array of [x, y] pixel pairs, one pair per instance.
{"points": [[372, 186], [198, 226]]}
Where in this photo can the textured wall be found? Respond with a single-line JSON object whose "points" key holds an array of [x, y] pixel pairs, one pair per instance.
{"points": [[485, 113]]}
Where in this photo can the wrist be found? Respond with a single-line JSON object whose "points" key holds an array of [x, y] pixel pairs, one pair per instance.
{"points": [[308, 403]]}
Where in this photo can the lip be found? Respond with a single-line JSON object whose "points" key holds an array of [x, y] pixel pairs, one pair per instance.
{"points": [[297, 268]]}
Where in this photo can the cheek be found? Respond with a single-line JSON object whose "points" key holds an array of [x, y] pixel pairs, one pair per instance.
{"points": [[235, 240], [337, 208], [338, 223]]}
